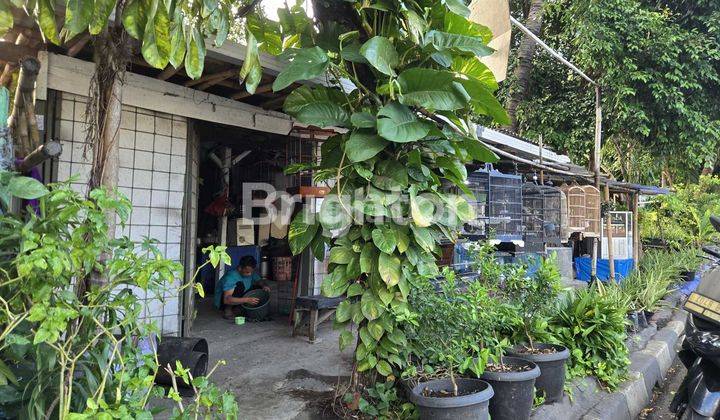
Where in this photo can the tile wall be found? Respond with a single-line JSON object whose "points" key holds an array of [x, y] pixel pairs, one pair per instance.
{"points": [[152, 172]]}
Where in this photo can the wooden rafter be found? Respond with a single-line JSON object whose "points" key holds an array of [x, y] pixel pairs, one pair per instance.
{"points": [[12, 54], [213, 76], [169, 72], [274, 103], [77, 44], [220, 78], [245, 94]]}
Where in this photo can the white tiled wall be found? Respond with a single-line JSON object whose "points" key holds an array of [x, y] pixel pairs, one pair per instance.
{"points": [[152, 174]]}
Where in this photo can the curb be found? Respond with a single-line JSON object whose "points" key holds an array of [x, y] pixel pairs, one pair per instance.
{"points": [[647, 369]]}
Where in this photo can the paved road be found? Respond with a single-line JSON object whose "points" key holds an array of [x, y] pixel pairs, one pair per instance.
{"points": [[658, 409]]}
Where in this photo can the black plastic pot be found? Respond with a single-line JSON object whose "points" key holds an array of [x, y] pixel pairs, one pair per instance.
{"points": [[514, 394], [260, 310], [642, 319], [473, 405], [687, 275], [634, 322], [192, 352], [648, 316], [551, 381]]}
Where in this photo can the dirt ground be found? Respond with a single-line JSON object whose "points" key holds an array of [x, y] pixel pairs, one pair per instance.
{"points": [[658, 408]]}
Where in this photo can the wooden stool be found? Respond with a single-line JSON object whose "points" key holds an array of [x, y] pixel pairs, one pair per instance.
{"points": [[311, 311]]}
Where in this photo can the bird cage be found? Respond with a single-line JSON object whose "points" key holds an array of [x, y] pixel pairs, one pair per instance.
{"points": [[622, 235], [592, 210], [542, 216], [575, 207], [498, 205]]}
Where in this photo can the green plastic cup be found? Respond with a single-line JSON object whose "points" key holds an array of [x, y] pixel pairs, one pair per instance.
{"points": [[239, 320]]}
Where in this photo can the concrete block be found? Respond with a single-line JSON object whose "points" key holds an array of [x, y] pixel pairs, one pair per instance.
{"points": [[144, 141], [163, 126], [649, 367], [635, 393], [614, 407], [661, 351], [163, 144]]}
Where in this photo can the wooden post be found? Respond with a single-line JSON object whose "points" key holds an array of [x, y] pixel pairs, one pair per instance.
{"points": [[46, 151], [29, 69], [222, 226], [542, 172], [636, 227], [609, 236], [596, 165]]}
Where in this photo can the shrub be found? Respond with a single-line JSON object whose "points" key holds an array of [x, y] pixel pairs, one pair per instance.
{"points": [[591, 323]]}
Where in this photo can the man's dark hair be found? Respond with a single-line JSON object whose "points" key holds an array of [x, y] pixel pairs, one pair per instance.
{"points": [[247, 261]]}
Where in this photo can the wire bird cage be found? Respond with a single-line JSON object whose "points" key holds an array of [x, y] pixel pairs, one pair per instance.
{"points": [[583, 208], [498, 205], [592, 210], [543, 216]]}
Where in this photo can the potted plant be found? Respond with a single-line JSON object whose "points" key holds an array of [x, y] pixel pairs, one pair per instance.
{"points": [[533, 297], [443, 350], [688, 262]]}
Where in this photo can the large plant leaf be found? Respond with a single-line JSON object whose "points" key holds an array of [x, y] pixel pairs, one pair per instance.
{"points": [[221, 25], [45, 12], [397, 123], [483, 101], [368, 258], [303, 64], [134, 18], [335, 213], [177, 45], [6, 18], [422, 210], [385, 239], [381, 54], [390, 175], [473, 67], [431, 89], [78, 14], [371, 306], [195, 54], [335, 283], [458, 7], [251, 71], [456, 24], [101, 14], [26, 188], [320, 106], [364, 145], [479, 151], [156, 39], [461, 43], [301, 233], [389, 268]]}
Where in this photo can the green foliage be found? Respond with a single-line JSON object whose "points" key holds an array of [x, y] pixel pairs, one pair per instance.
{"points": [[658, 64], [381, 401], [682, 218], [417, 86], [591, 323], [70, 344], [208, 400]]}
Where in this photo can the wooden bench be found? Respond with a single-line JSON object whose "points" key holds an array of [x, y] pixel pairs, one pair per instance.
{"points": [[311, 311]]}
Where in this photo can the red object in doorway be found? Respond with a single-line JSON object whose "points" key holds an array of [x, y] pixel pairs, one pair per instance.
{"points": [[220, 206]]}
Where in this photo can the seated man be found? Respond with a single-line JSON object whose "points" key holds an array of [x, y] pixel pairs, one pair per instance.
{"points": [[234, 284]]}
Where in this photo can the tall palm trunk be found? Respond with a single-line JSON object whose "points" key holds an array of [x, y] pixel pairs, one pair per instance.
{"points": [[525, 61]]}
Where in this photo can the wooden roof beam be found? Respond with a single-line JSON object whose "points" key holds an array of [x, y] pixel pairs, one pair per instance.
{"points": [[222, 76], [260, 89], [77, 44], [213, 76], [169, 72]]}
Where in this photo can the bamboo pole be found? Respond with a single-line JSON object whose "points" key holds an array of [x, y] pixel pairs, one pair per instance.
{"points": [[596, 164], [45, 151], [18, 121], [609, 235], [637, 243]]}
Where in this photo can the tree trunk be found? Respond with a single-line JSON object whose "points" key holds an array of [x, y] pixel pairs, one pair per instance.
{"points": [[525, 61]]}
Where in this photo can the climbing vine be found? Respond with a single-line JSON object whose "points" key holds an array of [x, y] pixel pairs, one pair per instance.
{"points": [[405, 87]]}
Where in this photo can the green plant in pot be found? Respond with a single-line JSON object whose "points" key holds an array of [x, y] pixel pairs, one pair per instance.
{"points": [[445, 350], [534, 296], [688, 261]]}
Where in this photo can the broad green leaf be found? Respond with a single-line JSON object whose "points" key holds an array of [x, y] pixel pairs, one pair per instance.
{"points": [[346, 338], [397, 123], [431, 89], [343, 311], [371, 306], [461, 43], [220, 22], [368, 258], [483, 101], [335, 283], [134, 18], [423, 237], [456, 24], [195, 54], [355, 289], [156, 39], [26, 188], [458, 7], [363, 120], [364, 145], [390, 175], [304, 64], [6, 18], [385, 239], [383, 368], [375, 329], [45, 12], [177, 45], [334, 213], [78, 14], [473, 67], [453, 165], [422, 210], [381, 54], [320, 106], [341, 255], [417, 25], [460, 207], [317, 245], [208, 7], [403, 240], [301, 233], [101, 14], [389, 268], [479, 151], [251, 71]]}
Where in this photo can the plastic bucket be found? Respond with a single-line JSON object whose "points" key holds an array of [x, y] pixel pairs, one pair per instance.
{"points": [[471, 404], [514, 391], [260, 310], [551, 382]]}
